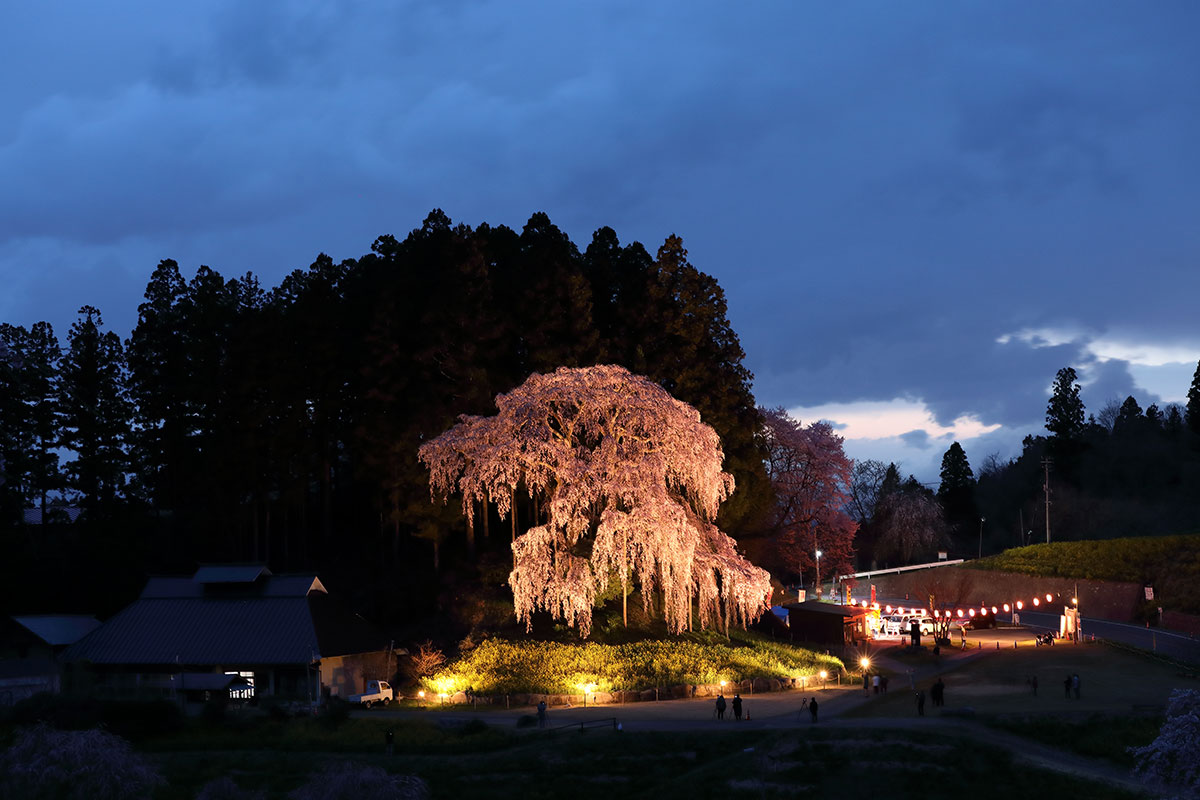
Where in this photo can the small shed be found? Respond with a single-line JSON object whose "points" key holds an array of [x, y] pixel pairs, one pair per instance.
{"points": [[827, 623]]}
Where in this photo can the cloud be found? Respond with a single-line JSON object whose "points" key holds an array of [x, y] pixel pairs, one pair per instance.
{"points": [[900, 417], [917, 439], [932, 209]]}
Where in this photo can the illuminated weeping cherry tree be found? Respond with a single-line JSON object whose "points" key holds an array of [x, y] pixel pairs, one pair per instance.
{"points": [[630, 479]]}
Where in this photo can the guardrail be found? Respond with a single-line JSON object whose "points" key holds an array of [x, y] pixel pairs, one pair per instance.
{"points": [[898, 570]]}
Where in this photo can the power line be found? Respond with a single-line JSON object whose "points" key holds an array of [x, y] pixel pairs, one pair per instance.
{"points": [[1046, 462]]}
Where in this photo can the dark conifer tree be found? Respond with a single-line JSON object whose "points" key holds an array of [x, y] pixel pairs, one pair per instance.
{"points": [[1193, 402], [1129, 419], [1064, 412], [95, 414], [14, 423], [42, 357], [159, 382]]}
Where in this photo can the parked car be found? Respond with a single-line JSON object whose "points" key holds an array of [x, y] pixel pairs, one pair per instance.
{"points": [[899, 624], [377, 692]]}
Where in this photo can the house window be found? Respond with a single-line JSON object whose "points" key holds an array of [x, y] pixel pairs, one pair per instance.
{"points": [[242, 693]]}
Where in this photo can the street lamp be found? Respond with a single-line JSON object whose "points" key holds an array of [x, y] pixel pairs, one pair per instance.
{"points": [[981, 521], [818, 574]]}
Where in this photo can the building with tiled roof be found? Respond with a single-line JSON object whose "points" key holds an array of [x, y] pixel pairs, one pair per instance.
{"points": [[284, 634]]}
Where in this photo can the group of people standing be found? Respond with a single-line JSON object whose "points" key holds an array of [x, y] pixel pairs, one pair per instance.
{"points": [[719, 711], [720, 706], [937, 693]]}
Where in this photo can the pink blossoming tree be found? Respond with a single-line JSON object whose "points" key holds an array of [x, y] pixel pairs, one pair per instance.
{"points": [[812, 476], [628, 478]]}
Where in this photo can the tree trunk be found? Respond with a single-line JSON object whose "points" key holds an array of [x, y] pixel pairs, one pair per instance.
{"points": [[471, 535], [624, 579]]}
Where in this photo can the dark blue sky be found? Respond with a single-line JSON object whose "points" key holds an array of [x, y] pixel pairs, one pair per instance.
{"points": [[918, 211]]}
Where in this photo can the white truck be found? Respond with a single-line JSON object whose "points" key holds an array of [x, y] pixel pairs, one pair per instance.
{"points": [[377, 692]]}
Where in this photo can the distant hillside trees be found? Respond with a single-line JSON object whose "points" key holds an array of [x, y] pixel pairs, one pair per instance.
{"points": [[282, 424], [1124, 472]]}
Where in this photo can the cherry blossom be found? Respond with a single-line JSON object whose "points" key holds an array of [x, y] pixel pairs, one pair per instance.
{"points": [[629, 479]]}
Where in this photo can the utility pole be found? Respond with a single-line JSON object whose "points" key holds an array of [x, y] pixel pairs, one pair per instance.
{"points": [[1046, 462]]}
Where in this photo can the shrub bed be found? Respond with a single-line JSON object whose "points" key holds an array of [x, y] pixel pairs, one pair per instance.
{"points": [[499, 666]]}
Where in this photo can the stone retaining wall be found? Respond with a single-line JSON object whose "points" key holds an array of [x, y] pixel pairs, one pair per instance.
{"points": [[1184, 623]]}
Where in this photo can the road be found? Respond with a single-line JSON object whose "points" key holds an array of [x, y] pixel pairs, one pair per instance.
{"points": [[1174, 645]]}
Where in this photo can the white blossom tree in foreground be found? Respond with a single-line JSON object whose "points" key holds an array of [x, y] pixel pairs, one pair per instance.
{"points": [[629, 479], [1172, 760]]}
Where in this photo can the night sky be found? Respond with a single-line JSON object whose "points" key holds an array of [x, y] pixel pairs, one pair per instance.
{"points": [[919, 212]]}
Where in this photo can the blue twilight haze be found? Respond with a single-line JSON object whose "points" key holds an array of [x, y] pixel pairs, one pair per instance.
{"points": [[919, 211]]}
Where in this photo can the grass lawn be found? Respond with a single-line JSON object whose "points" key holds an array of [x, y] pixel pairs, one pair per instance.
{"points": [[607, 764]]}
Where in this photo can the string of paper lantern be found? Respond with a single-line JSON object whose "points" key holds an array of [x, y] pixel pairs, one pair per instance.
{"points": [[957, 612]]}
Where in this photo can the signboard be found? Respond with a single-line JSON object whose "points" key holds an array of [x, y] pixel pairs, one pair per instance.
{"points": [[1149, 592], [941, 555]]}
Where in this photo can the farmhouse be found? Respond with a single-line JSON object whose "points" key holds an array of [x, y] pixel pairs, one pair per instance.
{"points": [[237, 632]]}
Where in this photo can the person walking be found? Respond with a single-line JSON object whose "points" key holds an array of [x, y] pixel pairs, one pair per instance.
{"points": [[720, 706], [883, 681], [1067, 687], [812, 709], [939, 693], [737, 707], [541, 714], [1033, 683], [1075, 685], [921, 703], [875, 682]]}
